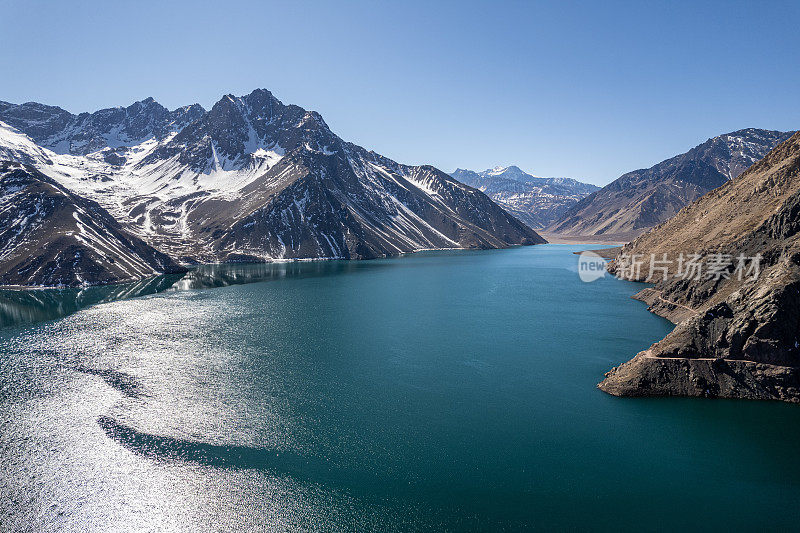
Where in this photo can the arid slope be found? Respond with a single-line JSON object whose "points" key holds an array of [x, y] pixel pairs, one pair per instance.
{"points": [[735, 338]]}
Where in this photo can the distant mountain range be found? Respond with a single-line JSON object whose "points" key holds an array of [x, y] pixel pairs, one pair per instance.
{"points": [[536, 201], [641, 199], [249, 179], [737, 332]]}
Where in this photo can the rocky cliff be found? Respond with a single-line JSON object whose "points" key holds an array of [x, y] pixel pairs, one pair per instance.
{"points": [[738, 318]]}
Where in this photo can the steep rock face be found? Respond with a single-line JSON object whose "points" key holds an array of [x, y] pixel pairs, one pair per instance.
{"points": [[358, 205], [641, 199], [538, 202], [236, 130], [737, 336], [64, 133], [40, 122], [50, 237], [253, 178]]}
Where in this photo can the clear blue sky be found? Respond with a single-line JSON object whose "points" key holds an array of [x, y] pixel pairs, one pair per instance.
{"points": [[588, 90]]}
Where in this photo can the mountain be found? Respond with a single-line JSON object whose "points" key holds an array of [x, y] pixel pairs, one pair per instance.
{"points": [[64, 133], [51, 237], [641, 199], [251, 179], [538, 202], [738, 320]]}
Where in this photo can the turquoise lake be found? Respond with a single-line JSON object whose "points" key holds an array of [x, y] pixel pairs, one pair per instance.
{"points": [[435, 391]]}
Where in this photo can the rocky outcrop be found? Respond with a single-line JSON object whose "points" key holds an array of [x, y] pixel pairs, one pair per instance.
{"points": [[737, 333], [642, 199]]}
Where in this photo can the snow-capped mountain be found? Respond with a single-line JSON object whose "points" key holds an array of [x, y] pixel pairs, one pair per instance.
{"points": [[639, 200], [534, 200], [251, 178], [51, 237], [64, 133]]}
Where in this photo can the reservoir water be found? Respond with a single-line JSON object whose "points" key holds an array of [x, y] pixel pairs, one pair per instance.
{"points": [[440, 390]]}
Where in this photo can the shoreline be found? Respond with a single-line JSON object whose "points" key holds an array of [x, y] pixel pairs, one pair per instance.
{"points": [[557, 238], [255, 261]]}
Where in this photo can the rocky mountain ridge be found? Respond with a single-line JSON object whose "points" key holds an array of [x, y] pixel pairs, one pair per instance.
{"points": [[65, 133], [642, 199]]}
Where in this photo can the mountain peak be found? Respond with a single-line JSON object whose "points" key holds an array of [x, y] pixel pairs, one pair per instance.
{"points": [[667, 187], [260, 93], [732, 153], [510, 169], [148, 105], [512, 172], [190, 107]]}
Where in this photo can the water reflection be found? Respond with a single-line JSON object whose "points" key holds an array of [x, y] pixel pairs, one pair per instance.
{"points": [[223, 275], [29, 306]]}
